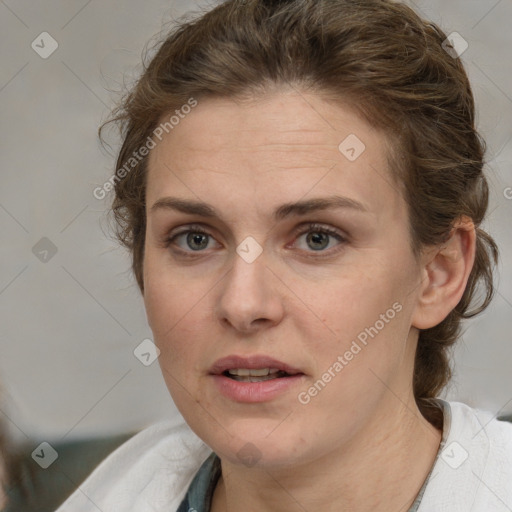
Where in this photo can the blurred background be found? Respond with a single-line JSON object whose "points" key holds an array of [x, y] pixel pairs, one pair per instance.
{"points": [[71, 315]]}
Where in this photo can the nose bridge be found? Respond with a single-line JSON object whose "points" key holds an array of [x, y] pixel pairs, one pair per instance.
{"points": [[248, 293], [247, 277]]}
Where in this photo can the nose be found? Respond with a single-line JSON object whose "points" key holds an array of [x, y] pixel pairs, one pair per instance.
{"points": [[249, 300]]}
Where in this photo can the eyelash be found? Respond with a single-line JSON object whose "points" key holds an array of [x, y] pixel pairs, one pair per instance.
{"points": [[310, 228]]}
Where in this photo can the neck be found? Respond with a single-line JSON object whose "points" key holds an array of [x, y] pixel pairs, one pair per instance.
{"points": [[381, 469]]}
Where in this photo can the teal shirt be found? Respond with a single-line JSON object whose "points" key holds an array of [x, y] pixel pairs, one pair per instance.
{"points": [[200, 492]]}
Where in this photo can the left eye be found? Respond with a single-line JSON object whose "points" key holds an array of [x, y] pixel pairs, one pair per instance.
{"points": [[319, 239]]}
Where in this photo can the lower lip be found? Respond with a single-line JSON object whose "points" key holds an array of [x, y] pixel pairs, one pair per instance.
{"points": [[254, 392]]}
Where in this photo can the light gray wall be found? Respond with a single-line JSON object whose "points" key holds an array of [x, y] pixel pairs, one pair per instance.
{"points": [[68, 326]]}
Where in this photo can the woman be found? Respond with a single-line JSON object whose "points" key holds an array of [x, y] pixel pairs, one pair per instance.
{"points": [[300, 185]]}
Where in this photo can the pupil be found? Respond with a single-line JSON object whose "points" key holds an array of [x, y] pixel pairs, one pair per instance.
{"points": [[318, 240], [197, 241]]}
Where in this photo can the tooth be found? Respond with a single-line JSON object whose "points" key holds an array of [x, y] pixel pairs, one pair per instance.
{"points": [[263, 372], [239, 371], [254, 379], [244, 372]]}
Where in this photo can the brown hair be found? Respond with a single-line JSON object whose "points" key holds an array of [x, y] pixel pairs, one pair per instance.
{"points": [[388, 63]]}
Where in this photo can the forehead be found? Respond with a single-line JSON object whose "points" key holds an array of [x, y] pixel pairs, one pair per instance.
{"points": [[285, 143]]}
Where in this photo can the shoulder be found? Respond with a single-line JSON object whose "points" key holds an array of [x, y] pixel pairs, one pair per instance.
{"points": [[150, 472], [493, 436], [474, 469]]}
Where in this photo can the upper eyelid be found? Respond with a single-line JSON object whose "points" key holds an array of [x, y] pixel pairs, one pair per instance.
{"points": [[304, 226], [183, 230]]}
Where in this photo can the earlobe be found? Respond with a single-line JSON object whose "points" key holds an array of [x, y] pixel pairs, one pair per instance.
{"points": [[445, 273]]}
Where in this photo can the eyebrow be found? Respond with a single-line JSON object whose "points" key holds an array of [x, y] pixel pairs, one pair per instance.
{"points": [[286, 210]]}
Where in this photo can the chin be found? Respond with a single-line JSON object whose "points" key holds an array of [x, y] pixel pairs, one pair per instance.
{"points": [[258, 442]]}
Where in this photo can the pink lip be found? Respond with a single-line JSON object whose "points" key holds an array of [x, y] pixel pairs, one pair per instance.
{"points": [[253, 392], [251, 363]]}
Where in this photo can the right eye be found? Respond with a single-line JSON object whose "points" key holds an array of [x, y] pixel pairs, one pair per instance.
{"points": [[194, 239]]}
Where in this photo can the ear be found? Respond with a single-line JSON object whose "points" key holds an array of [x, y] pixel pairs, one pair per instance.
{"points": [[445, 273]]}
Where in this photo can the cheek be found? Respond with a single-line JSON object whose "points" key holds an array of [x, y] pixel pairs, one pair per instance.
{"points": [[178, 313], [347, 301], [362, 314], [166, 309], [167, 295]]}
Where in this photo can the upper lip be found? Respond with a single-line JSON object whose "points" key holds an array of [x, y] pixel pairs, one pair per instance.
{"points": [[251, 363]]}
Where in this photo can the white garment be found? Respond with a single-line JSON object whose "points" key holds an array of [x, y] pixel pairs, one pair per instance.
{"points": [[152, 471], [474, 470]]}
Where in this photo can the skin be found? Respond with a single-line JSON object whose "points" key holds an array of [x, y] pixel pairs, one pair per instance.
{"points": [[360, 444]]}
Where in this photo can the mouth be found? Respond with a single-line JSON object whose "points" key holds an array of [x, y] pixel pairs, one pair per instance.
{"points": [[256, 375], [253, 379], [254, 368]]}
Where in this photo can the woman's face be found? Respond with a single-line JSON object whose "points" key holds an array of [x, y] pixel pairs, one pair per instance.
{"points": [[270, 246]]}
